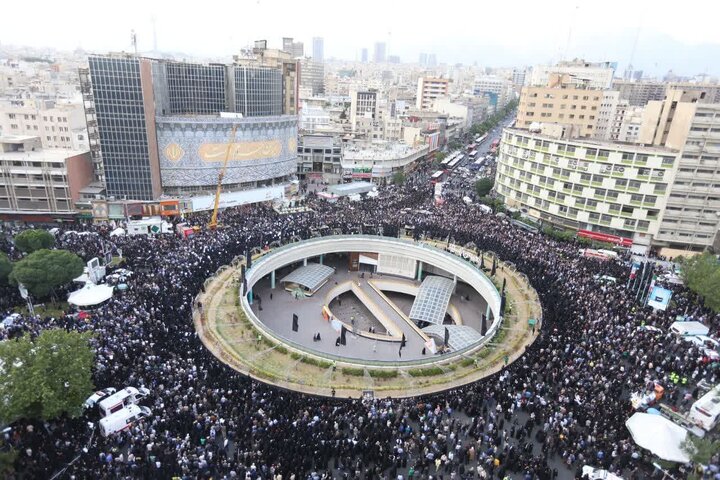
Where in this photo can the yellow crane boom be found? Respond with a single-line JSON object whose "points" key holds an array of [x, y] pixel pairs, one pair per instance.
{"points": [[213, 220]]}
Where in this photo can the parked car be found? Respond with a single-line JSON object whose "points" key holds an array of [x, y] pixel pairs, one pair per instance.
{"points": [[93, 399]]}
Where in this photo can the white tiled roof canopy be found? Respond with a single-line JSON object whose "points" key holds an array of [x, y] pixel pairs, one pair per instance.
{"points": [[461, 336], [310, 276], [432, 300]]}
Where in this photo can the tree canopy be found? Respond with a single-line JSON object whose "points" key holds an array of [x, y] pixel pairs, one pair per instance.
{"points": [[45, 378], [43, 270], [6, 267], [483, 186], [32, 240], [399, 177], [701, 274]]}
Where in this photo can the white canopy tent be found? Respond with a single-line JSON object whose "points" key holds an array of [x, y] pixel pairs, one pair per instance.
{"points": [[659, 435], [117, 232], [91, 295]]}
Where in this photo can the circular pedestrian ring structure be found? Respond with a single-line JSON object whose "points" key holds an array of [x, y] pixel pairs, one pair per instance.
{"points": [[359, 313]]}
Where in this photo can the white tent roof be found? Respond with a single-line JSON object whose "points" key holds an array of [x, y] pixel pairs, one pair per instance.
{"points": [[659, 435], [117, 232], [90, 295]]}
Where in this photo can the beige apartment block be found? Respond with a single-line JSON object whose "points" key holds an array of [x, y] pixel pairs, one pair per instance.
{"points": [[564, 102]]}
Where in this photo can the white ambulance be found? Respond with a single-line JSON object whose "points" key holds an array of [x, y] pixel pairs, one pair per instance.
{"points": [[117, 401], [123, 419]]}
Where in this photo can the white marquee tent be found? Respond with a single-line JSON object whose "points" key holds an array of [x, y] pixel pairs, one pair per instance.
{"points": [[91, 295], [659, 435]]}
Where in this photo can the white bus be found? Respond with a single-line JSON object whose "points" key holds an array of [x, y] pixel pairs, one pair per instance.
{"points": [[706, 411]]}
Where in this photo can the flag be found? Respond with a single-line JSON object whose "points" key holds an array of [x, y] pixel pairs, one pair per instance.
{"points": [[248, 258], [295, 323], [343, 340], [494, 267], [447, 337], [503, 286], [502, 304], [402, 343], [483, 326]]}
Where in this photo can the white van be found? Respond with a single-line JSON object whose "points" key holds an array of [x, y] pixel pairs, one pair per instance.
{"points": [[122, 419], [122, 398], [706, 411], [684, 329]]}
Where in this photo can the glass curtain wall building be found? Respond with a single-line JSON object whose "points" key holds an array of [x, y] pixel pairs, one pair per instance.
{"points": [[131, 96]]}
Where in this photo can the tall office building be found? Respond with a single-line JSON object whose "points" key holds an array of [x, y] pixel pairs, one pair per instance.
{"points": [[318, 49], [312, 76], [684, 122], [364, 55], [156, 126], [432, 60], [423, 59], [638, 94], [379, 52], [123, 112]]}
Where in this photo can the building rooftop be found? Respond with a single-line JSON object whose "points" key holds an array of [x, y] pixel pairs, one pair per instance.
{"points": [[384, 151], [597, 143]]}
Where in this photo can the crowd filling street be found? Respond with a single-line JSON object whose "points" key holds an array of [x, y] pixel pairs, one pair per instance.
{"points": [[561, 405]]}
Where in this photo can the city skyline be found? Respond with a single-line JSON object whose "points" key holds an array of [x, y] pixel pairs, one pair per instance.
{"points": [[489, 35]]}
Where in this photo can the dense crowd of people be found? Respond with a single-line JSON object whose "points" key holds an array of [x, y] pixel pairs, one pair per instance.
{"points": [[560, 406]]}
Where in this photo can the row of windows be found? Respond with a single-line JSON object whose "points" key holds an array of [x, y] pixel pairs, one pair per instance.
{"points": [[572, 212], [599, 195]]}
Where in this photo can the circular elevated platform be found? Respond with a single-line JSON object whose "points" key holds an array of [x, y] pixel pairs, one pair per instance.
{"points": [[384, 351]]}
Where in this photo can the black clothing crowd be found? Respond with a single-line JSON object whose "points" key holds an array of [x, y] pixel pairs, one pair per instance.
{"points": [[560, 406]]}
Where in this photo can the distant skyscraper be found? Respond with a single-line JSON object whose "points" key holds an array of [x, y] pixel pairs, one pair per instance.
{"points": [[364, 55], [296, 49], [379, 53], [423, 59], [393, 59], [318, 49], [432, 60]]}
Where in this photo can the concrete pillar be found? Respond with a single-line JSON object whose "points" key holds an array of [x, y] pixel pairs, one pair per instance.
{"points": [[419, 276], [321, 260], [250, 297], [272, 279], [304, 261], [487, 311]]}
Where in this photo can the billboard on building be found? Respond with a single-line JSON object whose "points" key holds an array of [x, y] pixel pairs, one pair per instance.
{"points": [[193, 149]]}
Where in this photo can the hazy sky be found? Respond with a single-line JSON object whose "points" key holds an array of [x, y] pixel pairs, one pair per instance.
{"points": [[682, 35]]}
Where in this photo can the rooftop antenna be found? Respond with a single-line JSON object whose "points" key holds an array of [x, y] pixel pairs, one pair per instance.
{"points": [[572, 20], [133, 40], [632, 51], [153, 19]]}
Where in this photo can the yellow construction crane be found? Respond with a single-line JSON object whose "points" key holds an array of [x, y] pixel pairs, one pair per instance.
{"points": [[213, 220]]}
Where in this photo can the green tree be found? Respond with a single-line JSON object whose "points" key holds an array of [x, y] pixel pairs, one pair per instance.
{"points": [[701, 274], [44, 270], [483, 186], [700, 451], [32, 240], [440, 156], [6, 267], [7, 461], [399, 177], [45, 378]]}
